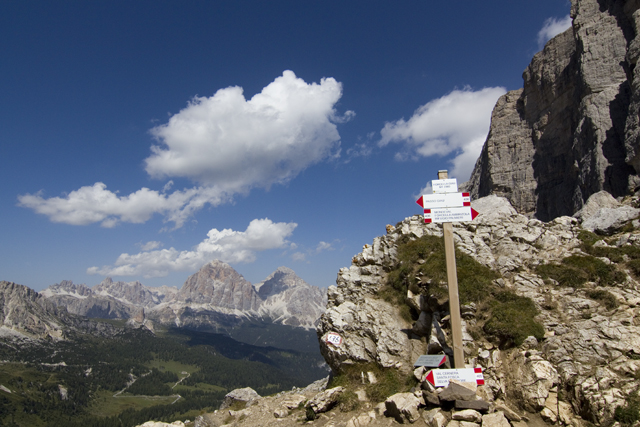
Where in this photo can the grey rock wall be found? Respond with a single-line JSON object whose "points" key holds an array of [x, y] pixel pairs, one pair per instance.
{"points": [[573, 129]]}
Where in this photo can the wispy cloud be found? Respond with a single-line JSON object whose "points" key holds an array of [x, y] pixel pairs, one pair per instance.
{"points": [[149, 246], [551, 28], [320, 247], [224, 143], [226, 245], [456, 123]]}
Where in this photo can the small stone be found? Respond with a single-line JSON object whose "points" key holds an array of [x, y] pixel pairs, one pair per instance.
{"points": [[294, 401], [430, 397], [325, 400], [469, 415], [508, 412], [280, 412], [372, 378], [458, 390], [435, 418], [403, 406], [496, 419], [478, 405]]}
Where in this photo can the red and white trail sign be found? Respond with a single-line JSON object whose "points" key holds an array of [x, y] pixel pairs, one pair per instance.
{"points": [[464, 213], [334, 338], [444, 200], [441, 377]]}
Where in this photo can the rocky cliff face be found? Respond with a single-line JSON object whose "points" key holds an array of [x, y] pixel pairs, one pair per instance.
{"points": [[25, 312], [573, 129], [585, 359], [289, 300], [215, 297], [219, 285]]}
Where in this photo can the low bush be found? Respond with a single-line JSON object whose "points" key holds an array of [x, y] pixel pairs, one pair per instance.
{"points": [[512, 319], [630, 412], [389, 381], [575, 270], [605, 297]]}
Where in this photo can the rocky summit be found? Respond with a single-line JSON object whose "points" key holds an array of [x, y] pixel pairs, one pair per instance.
{"points": [[582, 364], [216, 297], [574, 128], [549, 318]]}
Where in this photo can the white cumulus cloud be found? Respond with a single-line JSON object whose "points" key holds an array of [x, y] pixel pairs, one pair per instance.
{"points": [[224, 143], [226, 245], [551, 28], [456, 124], [235, 144], [95, 203]]}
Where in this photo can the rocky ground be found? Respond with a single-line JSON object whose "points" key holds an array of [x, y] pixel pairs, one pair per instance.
{"points": [[584, 363]]}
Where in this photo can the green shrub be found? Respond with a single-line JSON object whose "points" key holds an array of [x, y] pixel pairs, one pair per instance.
{"points": [[634, 266], [512, 319], [389, 381], [605, 297], [630, 412], [474, 279], [422, 264], [309, 414], [575, 270]]}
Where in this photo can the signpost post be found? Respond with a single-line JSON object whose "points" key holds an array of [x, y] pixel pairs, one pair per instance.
{"points": [[447, 205]]}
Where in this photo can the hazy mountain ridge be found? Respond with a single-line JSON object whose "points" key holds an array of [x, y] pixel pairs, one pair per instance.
{"points": [[216, 297]]}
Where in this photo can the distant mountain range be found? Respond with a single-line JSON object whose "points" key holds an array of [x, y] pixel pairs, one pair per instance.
{"points": [[215, 298]]}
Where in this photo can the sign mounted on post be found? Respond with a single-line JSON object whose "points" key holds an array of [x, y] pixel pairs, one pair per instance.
{"points": [[444, 200], [465, 213], [449, 185], [441, 377], [431, 360]]}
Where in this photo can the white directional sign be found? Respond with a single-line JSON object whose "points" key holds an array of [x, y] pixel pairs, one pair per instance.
{"points": [[444, 200], [444, 185], [441, 377], [464, 213]]}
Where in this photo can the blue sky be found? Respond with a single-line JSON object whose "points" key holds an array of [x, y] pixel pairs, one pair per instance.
{"points": [[140, 140]]}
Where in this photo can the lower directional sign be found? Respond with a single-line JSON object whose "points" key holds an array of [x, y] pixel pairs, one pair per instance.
{"points": [[441, 377], [464, 213], [431, 360]]}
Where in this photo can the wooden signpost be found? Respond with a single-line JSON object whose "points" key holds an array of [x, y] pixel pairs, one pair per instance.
{"points": [[446, 205]]}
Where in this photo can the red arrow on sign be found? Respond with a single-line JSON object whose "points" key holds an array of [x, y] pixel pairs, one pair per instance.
{"points": [[444, 200]]}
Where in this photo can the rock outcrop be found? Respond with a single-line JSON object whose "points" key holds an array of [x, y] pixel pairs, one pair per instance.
{"points": [[584, 361], [574, 128], [24, 312]]}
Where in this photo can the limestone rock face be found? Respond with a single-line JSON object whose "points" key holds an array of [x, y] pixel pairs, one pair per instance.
{"points": [[25, 312], [573, 130], [288, 299], [588, 350], [218, 284]]}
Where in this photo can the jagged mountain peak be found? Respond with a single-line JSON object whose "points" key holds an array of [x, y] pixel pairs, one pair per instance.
{"points": [[67, 287], [281, 279], [218, 284], [26, 312]]}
